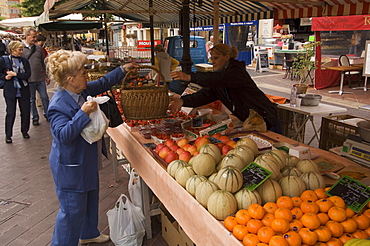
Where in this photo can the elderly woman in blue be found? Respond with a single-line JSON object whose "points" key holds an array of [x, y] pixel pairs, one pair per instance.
{"points": [[73, 161]]}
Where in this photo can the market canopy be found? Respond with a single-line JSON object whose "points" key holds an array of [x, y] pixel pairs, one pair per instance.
{"points": [[19, 22], [70, 25]]}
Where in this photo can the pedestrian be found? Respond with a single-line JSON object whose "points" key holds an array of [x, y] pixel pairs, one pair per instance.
{"points": [[73, 161], [38, 80], [231, 84], [2, 47], [164, 62], [16, 88], [40, 41], [209, 46]]}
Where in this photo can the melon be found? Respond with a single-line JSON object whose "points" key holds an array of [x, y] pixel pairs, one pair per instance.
{"points": [[232, 160], [213, 150], [245, 198], [249, 143], [229, 178], [313, 180], [213, 177], [268, 162], [291, 171], [174, 166], [269, 191], [193, 182], [307, 165], [278, 176], [244, 152], [221, 204], [291, 161], [183, 174], [279, 156], [203, 164], [292, 186], [204, 190]]}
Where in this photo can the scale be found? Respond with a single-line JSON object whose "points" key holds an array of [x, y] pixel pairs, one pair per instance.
{"points": [[357, 149]]}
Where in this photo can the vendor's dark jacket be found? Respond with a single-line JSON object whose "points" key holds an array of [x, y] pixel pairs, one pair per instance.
{"points": [[235, 88]]}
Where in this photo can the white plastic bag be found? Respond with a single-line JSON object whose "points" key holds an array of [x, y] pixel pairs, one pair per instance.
{"points": [[94, 131], [134, 189], [126, 223]]}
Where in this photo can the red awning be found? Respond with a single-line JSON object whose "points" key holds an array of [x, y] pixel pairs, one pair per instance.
{"points": [[341, 23]]}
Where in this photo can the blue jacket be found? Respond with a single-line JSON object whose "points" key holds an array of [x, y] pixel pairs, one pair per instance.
{"points": [[73, 161]]}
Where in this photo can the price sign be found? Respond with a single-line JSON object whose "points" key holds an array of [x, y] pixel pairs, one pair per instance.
{"points": [[254, 175], [197, 122], [355, 194], [262, 61]]}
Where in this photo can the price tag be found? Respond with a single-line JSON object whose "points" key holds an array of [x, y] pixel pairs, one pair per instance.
{"points": [[197, 122], [254, 175], [355, 194]]}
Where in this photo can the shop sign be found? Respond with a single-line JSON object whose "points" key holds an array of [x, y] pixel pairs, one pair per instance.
{"points": [[341, 23], [144, 45]]}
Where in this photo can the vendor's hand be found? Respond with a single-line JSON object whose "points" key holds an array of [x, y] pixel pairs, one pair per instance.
{"points": [[89, 107], [130, 66], [175, 104], [177, 75]]}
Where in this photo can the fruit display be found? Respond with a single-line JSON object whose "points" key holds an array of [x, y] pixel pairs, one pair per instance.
{"points": [[289, 208]]}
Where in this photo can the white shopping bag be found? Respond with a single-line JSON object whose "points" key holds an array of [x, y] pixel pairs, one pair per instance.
{"points": [[126, 223], [134, 188], [95, 130]]}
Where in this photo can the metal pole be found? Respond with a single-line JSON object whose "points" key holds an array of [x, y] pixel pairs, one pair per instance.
{"points": [[186, 62], [106, 34]]}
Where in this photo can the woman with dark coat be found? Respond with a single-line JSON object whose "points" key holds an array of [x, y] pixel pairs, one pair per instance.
{"points": [[232, 85], [16, 73]]}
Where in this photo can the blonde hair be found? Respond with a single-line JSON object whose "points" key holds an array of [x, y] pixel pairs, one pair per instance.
{"points": [[65, 63], [225, 49], [15, 45]]}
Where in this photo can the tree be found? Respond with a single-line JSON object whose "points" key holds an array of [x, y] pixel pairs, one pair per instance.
{"points": [[31, 8]]}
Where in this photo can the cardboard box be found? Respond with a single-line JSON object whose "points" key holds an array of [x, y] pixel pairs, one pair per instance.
{"points": [[172, 232], [219, 127]]}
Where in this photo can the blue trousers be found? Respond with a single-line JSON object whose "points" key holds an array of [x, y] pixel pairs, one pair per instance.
{"points": [[77, 217], [39, 86]]}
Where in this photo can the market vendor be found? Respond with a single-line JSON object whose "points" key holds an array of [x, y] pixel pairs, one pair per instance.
{"points": [[231, 84]]}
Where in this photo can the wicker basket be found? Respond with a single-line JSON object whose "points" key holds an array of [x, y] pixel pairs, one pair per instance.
{"points": [[147, 101]]}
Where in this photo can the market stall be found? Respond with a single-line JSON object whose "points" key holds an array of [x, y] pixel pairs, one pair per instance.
{"points": [[336, 34]]}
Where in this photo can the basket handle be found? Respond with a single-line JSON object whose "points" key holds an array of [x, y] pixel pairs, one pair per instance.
{"points": [[145, 66]]}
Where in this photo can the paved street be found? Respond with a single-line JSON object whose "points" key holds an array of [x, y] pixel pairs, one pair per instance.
{"points": [[28, 204]]}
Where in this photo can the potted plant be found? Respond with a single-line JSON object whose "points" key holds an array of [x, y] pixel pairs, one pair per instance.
{"points": [[303, 64]]}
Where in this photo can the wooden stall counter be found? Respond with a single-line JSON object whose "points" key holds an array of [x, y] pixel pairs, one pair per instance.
{"points": [[196, 221]]}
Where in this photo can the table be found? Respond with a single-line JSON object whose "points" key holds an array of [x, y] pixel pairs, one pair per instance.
{"points": [[308, 113], [192, 217], [343, 70]]}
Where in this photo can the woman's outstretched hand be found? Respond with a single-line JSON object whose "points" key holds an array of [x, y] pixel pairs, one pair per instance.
{"points": [[177, 75], [130, 66], [175, 104]]}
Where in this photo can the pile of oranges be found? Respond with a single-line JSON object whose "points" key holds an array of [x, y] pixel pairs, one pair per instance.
{"points": [[311, 219]]}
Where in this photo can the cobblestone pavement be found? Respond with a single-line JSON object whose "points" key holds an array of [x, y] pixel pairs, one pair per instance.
{"points": [[28, 204]]}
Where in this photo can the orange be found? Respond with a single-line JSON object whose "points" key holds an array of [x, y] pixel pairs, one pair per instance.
{"points": [[335, 227], [337, 214], [360, 234], [308, 236], [278, 240], [297, 201], [362, 221], [349, 212], [242, 216], [346, 237], [337, 201], [254, 225], [256, 211], [297, 213], [293, 238], [250, 240], [283, 213], [262, 244], [270, 207], [309, 207], [310, 220], [280, 225], [265, 234], [320, 193], [323, 218], [240, 231], [367, 212], [267, 219], [334, 242], [323, 234], [285, 202], [324, 205], [295, 225], [349, 225], [230, 223], [309, 195]]}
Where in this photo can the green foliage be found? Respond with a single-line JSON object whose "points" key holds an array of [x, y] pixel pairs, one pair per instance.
{"points": [[31, 7], [304, 61]]}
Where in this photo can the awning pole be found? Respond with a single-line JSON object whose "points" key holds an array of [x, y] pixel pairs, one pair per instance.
{"points": [[106, 34], [216, 7]]}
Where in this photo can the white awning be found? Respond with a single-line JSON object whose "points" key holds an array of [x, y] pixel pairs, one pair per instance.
{"points": [[19, 22]]}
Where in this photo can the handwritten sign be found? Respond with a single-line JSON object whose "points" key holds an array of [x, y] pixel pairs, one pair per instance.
{"points": [[366, 70], [355, 194], [254, 175], [262, 61]]}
